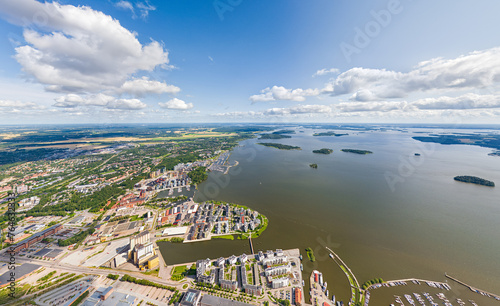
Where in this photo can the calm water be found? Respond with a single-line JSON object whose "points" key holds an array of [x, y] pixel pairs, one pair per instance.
{"points": [[388, 214]]}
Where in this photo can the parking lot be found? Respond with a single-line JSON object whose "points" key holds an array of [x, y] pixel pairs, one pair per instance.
{"points": [[155, 295]]}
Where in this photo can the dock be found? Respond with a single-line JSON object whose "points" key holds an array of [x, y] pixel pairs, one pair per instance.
{"points": [[473, 289], [318, 296]]}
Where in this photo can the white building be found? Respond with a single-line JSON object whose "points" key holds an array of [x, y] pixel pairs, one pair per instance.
{"points": [[232, 260], [280, 282], [29, 201]]}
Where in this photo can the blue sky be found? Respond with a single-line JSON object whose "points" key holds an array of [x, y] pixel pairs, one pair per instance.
{"points": [[249, 61]]}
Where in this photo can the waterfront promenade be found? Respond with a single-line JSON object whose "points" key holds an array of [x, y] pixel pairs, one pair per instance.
{"points": [[355, 288]]}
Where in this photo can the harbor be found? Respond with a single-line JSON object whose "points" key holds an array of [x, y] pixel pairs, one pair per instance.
{"points": [[479, 291], [319, 291]]}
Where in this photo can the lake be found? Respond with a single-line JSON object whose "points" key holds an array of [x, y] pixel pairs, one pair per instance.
{"points": [[389, 214]]}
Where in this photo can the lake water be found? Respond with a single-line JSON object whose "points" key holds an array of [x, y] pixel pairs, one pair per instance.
{"points": [[389, 214]]}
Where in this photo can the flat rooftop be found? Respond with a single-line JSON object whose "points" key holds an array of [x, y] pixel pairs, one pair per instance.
{"points": [[210, 300]]}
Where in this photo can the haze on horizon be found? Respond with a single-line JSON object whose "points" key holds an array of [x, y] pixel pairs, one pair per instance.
{"points": [[249, 61]]}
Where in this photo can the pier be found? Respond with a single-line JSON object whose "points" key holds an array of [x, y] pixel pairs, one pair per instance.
{"points": [[473, 289], [355, 289]]}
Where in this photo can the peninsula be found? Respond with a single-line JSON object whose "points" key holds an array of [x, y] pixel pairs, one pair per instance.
{"points": [[323, 151], [279, 146], [474, 180], [357, 151]]}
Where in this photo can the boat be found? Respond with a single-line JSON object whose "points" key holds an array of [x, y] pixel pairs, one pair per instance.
{"points": [[303, 283], [333, 299], [331, 255], [300, 256], [326, 284], [301, 267], [326, 293]]}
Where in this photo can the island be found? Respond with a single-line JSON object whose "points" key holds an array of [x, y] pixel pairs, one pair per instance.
{"points": [[497, 153], [474, 180], [357, 151], [330, 133], [284, 132], [323, 151], [310, 254], [314, 166], [487, 140], [277, 134], [417, 154], [279, 146], [274, 136]]}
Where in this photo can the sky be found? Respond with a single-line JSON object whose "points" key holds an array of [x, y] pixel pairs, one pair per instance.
{"points": [[171, 61]]}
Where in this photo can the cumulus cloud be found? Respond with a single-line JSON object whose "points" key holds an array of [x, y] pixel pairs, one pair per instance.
{"points": [[78, 49], [475, 70], [386, 106], [281, 93], [326, 71], [139, 87], [19, 105], [461, 103], [176, 104], [100, 100], [126, 104], [467, 101], [278, 111]]}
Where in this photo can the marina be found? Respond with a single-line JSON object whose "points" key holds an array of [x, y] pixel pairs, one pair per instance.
{"points": [[319, 293], [479, 291]]}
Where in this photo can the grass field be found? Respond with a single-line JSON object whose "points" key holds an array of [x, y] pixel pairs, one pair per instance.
{"points": [[179, 270], [228, 237]]}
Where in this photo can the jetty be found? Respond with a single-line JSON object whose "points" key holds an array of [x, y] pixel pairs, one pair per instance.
{"points": [[473, 289], [355, 288]]}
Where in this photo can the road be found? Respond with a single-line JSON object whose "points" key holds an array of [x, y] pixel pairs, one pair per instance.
{"points": [[78, 269]]}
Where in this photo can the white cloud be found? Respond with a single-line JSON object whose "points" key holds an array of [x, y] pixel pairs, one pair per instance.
{"points": [[126, 6], [78, 49], [145, 7], [74, 100], [277, 111], [282, 93], [70, 101], [325, 72], [467, 101], [139, 87], [239, 114], [475, 70], [176, 104], [17, 105], [386, 106], [130, 104]]}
